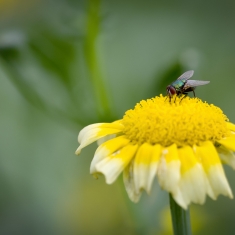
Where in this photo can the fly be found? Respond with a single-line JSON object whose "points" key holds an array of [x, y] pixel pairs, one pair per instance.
{"points": [[182, 86]]}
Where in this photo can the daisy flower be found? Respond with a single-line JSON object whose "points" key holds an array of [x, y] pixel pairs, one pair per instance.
{"points": [[182, 143]]}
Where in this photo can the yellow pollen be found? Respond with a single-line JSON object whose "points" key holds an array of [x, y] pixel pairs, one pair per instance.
{"points": [[186, 122]]}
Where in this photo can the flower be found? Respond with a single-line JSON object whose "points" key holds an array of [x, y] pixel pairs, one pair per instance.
{"points": [[183, 143]]}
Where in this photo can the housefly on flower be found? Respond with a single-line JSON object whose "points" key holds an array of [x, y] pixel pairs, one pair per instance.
{"points": [[182, 86]]}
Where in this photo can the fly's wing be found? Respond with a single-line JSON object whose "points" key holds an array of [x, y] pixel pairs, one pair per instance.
{"points": [[194, 83], [185, 76]]}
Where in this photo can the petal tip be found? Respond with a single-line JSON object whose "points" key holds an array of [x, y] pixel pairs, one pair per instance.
{"points": [[78, 151], [230, 195]]}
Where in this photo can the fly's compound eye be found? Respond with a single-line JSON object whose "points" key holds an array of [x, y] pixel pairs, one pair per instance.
{"points": [[171, 90]]}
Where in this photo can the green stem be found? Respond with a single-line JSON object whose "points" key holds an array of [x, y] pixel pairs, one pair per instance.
{"points": [[92, 60], [180, 218]]}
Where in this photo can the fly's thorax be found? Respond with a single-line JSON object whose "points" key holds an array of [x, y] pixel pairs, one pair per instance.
{"points": [[178, 84]]}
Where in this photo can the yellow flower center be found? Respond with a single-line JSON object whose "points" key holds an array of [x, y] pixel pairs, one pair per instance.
{"points": [[184, 122]]}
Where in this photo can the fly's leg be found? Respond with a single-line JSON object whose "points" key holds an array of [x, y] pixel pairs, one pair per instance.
{"points": [[185, 94], [169, 99]]}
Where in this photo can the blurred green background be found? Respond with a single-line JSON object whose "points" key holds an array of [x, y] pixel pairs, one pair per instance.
{"points": [[67, 64]]}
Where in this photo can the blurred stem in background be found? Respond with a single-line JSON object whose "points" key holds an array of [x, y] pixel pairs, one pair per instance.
{"points": [[93, 27]]}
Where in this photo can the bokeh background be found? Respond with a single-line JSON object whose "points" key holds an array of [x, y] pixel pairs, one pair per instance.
{"points": [[67, 64]]}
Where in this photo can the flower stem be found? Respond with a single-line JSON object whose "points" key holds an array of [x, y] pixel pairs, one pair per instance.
{"points": [[93, 59], [180, 218]]}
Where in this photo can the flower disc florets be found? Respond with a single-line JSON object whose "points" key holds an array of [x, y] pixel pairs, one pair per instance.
{"points": [[183, 122]]}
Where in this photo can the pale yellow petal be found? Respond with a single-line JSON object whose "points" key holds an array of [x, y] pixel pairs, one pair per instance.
{"points": [[106, 149], [114, 164], [87, 129], [105, 138], [226, 156], [153, 167], [169, 169], [219, 181], [145, 166], [93, 132], [213, 168], [129, 183], [231, 126], [193, 184], [228, 142]]}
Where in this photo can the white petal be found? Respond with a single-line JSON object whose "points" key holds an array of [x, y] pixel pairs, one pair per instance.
{"points": [[105, 138], [94, 132], [129, 184], [151, 175], [86, 129], [89, 140], [169, 175], [115, 163], [227, 156], [106, 149], [211, 163], [140, 177], [145, 166], [111, 168], [100, 154], [169, 170], [193, 186], [218, 181]]}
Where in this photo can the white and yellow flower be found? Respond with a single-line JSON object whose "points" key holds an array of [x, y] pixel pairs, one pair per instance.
{"points": [[182, 143]]}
